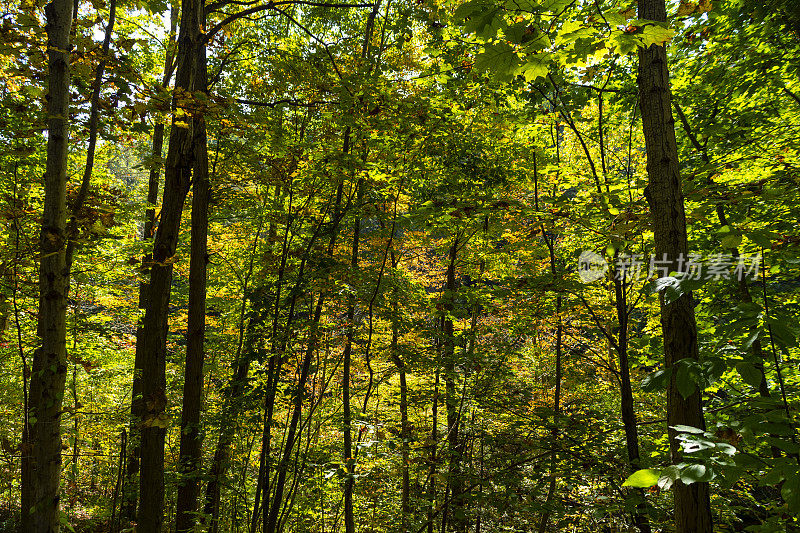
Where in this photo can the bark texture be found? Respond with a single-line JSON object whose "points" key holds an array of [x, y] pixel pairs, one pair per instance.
{"points": [[191, 439], [347, 450], [42, 454], [454, 481], [627, 407], [663, 193], [137, 405], [177, 174]]}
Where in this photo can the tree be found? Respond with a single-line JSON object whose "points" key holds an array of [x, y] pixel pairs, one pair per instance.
{"points": [[663, 193], [177, 174], [148, 233], [42, 456], [423, 293], [191, 452]]}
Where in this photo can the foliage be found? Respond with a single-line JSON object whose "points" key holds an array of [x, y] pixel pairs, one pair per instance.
{"points": [[480, 147]]}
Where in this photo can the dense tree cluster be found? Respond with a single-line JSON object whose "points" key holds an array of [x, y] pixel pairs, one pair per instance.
{"points": [[413, 266]]}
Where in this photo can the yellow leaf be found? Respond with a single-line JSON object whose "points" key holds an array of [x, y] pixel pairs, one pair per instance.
{"points": [[686, 8]]}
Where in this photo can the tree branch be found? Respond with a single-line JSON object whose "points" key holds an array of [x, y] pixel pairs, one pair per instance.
{"points": [[287, 101], [689, 133], [264, 7]]}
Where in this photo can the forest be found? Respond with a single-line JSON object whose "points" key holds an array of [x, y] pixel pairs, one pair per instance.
{"points": [[399, 266]]}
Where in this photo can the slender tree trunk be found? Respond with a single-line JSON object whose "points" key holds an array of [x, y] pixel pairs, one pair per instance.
{"points": [[405, 448], [557, 411], [42, 459], [550, 242], [627, 408], [454, 482], [137, 404], [276, 359], [271, 507], [235, 389], [220, 460], [191, 440], [273, 366], [480, 486], [6, 272], [25, 445], [347, 452], [113, 522], [663, 193], [280, 482], [432, 457], [742, 288], [177, 174]]}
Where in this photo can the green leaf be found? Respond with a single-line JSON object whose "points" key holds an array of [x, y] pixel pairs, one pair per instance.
{"points": [[656, 381], [643, 478], [791, 492], [624, 44], [674, 287], [517, 32], [668, 477], [499, 59], [481, 18], [784, 444], [715, 367], [782, 333], [750, 374], [696, 473], [656, 34], [732, 475], [775, 428], [748, 343], [157, 6], [773, 477], [537, 6], [763, 238], [687, 429], [731, 240], [669, 286], [534, 68], [685, 381]]}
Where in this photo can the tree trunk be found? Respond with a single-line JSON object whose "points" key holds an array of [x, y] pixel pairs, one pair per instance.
{"points": [[191, 440], [271, 508], [177, 174], [454, 482], [347, 451], [405, 505], [137, 404], [663, 193], [551, 490], [235, 389], [42, 455], [432, 457], [271, 525], [274, 366], [219, 463], [628, 412]]}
